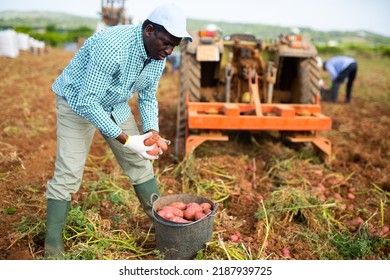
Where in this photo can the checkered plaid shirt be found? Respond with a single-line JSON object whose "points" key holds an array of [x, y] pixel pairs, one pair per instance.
{"points": [[105, 73]]}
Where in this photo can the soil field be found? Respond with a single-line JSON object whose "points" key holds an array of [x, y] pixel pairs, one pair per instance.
{"points": [[275, 201]]}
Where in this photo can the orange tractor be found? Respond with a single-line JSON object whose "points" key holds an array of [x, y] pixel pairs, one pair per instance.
{"points": [[239, 83]]}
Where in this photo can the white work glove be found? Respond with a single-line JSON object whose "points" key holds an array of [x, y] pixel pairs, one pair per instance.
{"points": [[135, 143]]}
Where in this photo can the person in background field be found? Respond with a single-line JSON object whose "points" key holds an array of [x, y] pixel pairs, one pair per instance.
{"points": [[174, 60], [93, 92], [341, 68]]}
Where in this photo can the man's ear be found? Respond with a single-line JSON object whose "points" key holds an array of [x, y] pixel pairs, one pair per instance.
{"points": [[149, 30]]}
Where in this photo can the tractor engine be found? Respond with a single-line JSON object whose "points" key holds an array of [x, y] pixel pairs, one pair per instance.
{"points": [[246, 62]]}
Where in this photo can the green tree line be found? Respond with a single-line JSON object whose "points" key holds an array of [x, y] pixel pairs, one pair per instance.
{"points": [[55, 37]]}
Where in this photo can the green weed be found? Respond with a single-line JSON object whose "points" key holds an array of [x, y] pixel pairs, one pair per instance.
{"points": [[361, 245]]}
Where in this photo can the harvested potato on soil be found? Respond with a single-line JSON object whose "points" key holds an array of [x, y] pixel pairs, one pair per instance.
{"points": [[235, 237], [286, 252]]}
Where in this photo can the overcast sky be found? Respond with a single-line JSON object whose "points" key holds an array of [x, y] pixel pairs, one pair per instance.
{"points": [[323, 15]]}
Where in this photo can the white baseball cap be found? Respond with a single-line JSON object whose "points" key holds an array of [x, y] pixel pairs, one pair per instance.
{"points": [[173, 20]]}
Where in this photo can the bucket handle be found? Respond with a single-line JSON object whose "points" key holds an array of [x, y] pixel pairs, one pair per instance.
{"points": [[153, 198]]}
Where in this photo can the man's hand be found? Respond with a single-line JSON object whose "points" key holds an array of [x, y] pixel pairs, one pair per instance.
{"points": [[136, 144]]}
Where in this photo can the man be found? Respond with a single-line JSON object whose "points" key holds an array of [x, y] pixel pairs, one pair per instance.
{"points": [[341, 68], [93, 92]]}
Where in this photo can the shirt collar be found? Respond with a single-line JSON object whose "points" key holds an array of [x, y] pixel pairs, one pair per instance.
{"points": [[140, 44]]}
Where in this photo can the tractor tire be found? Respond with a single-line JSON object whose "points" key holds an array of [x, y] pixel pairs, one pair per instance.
{"points": [[307, 81], [190, 78], [190, 75], [307, 84]]}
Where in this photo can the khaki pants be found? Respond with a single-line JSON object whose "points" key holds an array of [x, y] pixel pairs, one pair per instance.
{"points": [[74, 138]]}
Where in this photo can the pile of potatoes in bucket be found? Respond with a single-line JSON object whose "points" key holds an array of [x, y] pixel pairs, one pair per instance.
{"points": [[180, 212]]}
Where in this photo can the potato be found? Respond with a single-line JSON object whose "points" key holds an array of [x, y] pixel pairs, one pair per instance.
{"points": [[179, 205], [162, 144], [156, 139], [207, 211], [357, 221], [205, 206], [192, 203], [286, 252], [338, 196], [165, 214], [190, 211], [155, 151], [151, 140], [173, 210], [177, 219], [199, 215], [234, 238], [384, 231]]}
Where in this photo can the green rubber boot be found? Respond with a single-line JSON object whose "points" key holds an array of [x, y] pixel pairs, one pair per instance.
{"points": [[144, 193], [56, 214]]}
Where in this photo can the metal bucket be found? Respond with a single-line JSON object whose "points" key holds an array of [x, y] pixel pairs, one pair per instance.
{"points": [[179, 241]]}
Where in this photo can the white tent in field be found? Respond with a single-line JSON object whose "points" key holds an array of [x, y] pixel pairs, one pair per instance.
{"points": [[9, 43]]}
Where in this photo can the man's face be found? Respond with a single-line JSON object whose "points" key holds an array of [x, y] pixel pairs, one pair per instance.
{"points": [[159, 44]]}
